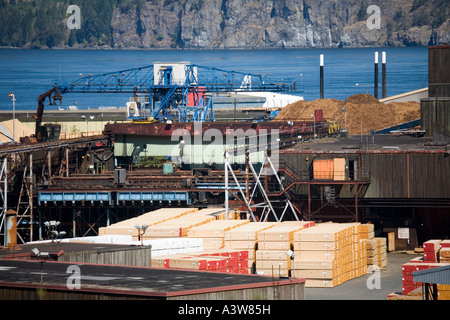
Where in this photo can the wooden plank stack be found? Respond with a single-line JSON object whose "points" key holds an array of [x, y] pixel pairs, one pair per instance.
{"points": [[417, 264], [436, 253], [444, 255], [444, 251], [376, 247], [273, 245], [220, 260], [367, 231], [431, 250], [381, 251], [329, 254], [152, 218], [179, 226], [213, 233], [236, 260], [443, 291], [408, 283], [245, 237], [372, 253], [376, 252], [415, 294]]}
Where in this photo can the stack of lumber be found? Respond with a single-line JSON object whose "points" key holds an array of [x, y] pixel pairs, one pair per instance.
{"points": [[127, 227], [444, 251], [376, 253], [245, 237], [329, 254], [189, 262], [168, 246], [372, 254], [232, 215], [381, 251], [220, 260], [431, 250], [273, 245], [179, 227], [236, 260], [213, 233], [415, 294], [436, 253], [443, 291], [417, 264], [367, 231], [376, 247]]}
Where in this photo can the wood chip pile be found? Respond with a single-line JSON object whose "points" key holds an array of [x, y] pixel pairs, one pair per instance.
{"points": [[364, 112]]}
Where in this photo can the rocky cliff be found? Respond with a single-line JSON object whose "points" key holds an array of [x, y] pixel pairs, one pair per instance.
{"points": [[279, 23], [225, 23]]}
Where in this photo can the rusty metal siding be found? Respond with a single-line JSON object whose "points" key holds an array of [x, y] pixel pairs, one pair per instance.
{"points": [[430, 175], [393, 174], [292, 291], [274, 291], [133, 256], [388, 175], [438, 71], [435, 116]]}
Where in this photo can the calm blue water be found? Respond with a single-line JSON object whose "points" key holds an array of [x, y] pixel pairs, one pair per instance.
{"points": [[29, 73]]}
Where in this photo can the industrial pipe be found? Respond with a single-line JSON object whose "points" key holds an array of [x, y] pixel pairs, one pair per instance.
{"points": [[321, 76], [383, 76], [375, 93]]}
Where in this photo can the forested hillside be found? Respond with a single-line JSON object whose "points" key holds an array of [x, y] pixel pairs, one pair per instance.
{"points": [[222, 23]]}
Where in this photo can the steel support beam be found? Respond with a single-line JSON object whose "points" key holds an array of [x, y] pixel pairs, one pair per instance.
{"points": [[3, 197]]}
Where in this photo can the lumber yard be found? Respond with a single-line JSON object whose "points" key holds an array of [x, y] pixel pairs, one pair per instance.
{"points": [[229, 208]]}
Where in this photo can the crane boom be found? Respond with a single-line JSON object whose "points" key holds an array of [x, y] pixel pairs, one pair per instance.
{"points": [[178, 90], [40, 109]]}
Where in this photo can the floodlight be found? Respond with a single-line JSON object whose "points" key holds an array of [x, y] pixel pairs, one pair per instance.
{"points": [[35, 251], [40, 255], [44, 255]]}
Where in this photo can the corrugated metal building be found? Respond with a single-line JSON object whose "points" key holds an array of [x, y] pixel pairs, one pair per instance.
{"points": [[71, 280], [200, 144], [392, 181], [435, 110], [439, 71]]}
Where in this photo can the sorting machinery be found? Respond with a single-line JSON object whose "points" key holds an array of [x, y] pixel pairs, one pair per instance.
{"points": [[175, 91]]}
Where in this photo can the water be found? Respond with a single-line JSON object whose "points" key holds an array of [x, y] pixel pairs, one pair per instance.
{"points": [[29, 73]]}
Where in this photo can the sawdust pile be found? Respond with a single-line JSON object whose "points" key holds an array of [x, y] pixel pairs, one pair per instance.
{"points": [[364, 112]]}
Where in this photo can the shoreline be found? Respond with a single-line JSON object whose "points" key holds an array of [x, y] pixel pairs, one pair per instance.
{"points": [[205, 49]]}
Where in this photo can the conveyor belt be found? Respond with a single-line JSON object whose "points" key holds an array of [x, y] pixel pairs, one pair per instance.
{"points": [[10, 149]]}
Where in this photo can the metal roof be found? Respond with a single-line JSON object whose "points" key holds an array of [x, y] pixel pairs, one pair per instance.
{"points": [[439, 275], [129, 280]]}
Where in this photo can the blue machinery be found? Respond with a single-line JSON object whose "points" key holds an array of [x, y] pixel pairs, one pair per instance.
{"points": [[118, 197], [173, 91], [111, 198]]}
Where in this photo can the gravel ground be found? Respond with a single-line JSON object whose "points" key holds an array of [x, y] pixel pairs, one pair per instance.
{"points": [[390, 281]]}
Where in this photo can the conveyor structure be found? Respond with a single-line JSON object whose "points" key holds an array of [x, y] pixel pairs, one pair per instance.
{"points": [[175, 91]]}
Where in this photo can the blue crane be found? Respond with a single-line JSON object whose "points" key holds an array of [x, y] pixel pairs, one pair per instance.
{"points": [[180, 90]]}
